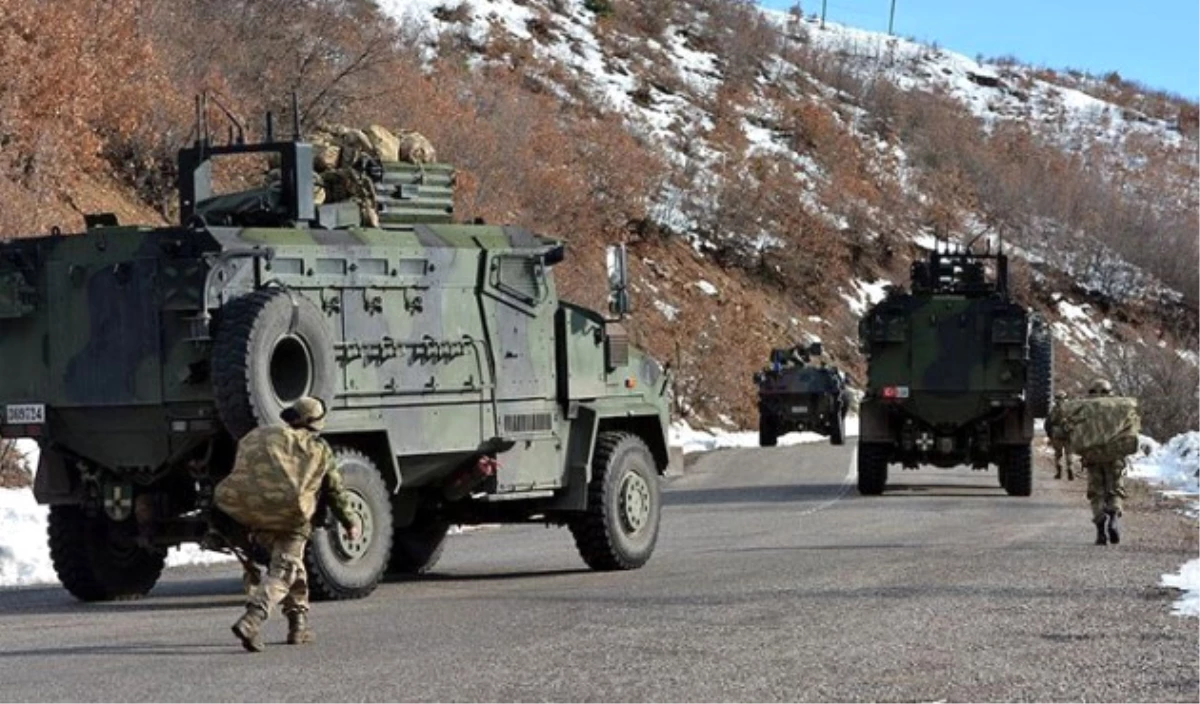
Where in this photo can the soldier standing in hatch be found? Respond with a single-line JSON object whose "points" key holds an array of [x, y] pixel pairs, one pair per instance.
{"points": [[1054, 429], [273, 490], [1106, 483]]}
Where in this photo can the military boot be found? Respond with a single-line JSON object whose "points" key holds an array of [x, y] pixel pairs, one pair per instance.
{"points": [[1070, 474], [298, 631], [248, 629], [1058, 471], [1101, 529], [1114, 528]]}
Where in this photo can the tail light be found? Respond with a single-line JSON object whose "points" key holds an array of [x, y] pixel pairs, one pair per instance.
{"points": [[895, 392]]}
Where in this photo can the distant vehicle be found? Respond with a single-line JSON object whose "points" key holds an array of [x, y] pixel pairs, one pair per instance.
{"points": [[461, 388], [797, 394], [957, 371]]}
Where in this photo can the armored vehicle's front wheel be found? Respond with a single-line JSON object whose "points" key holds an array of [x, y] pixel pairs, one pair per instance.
{"points": [[1016, 467], [97, 559], [343, 568], [417, 548], [768, 430], [619, 529], [872, 468]]}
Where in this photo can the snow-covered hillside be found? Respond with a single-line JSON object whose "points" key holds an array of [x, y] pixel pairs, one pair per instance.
{"points": [[670, 88]]}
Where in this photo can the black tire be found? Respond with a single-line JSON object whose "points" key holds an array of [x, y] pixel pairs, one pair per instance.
{"points": [[1040, 386], [1000, 475], [1017, 469], [768, 430], [872, 468], [612, 534], [96, 558], [341, 569], [267, 353], [416, 549], [837, 433]]}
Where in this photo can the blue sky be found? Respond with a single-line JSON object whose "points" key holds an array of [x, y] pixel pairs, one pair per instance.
{"points": [[1156, 43]]}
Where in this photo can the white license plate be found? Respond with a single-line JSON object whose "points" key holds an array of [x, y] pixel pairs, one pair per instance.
{"points": [[26, 414], [799, 409]]}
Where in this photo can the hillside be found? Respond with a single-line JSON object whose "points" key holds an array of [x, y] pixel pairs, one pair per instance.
{"points": [[769, 176]]}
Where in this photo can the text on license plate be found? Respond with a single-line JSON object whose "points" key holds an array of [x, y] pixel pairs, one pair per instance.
{"points": [[799, 409], [25, 413]]}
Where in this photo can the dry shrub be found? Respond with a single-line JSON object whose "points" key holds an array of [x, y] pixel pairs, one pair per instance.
{"points": [[1166, 385], [14, 469]]}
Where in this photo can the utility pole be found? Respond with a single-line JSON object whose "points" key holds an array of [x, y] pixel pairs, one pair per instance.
{"points": [[823, 3], [892, 18]]}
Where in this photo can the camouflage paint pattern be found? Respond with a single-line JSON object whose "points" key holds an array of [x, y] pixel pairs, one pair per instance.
{"points": [[1106, 485], [276, 479], [948, 366], [447, 336], [803, 396]]}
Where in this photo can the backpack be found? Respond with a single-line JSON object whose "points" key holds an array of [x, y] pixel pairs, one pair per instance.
{"points": [[1100, 428], [275, 481]]}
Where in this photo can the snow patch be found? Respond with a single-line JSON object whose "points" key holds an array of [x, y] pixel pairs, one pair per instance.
{"points": [[1187, 580], [692, 440], [669, 311], [706, 288]]}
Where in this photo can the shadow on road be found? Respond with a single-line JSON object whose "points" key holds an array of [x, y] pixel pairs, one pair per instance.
{"points": [[486, 576], [166, 596], [781, 493], [205, 650]]}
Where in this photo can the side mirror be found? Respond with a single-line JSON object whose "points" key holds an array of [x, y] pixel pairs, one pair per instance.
{"points": [[618, 281]]}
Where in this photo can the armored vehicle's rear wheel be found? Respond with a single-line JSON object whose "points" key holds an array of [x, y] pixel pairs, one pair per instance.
{"points": [[1016, 466], [1040, 389], [271, 348], [341, 568], [417, 548], [768, 430], [872, 468], [619, 529], [97, 559]]}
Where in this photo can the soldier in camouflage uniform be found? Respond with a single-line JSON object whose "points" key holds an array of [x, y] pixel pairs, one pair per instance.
{"points": [[273, 490], [1106, 484], [1054, 431], [350, 184]]}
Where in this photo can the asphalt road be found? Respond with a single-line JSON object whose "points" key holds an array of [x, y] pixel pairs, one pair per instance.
{"points": [[773, 580]]}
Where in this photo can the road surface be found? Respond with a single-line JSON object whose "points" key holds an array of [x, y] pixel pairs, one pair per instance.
{"points": [[773, 580]]}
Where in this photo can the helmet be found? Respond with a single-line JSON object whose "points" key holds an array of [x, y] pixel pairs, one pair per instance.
{"points": [[1100, 387], [1060, 395], [306, 412]]}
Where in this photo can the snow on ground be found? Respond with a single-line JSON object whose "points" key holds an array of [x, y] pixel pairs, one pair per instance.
{"points": [[865, 295], [691, 440], [1175, 467]]}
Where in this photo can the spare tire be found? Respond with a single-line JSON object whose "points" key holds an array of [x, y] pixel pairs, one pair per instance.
{"points": [[1040, 387], [271, 347]]}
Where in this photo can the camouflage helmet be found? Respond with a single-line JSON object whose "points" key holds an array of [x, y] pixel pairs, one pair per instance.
{"points": [[1060, 395], [1100, 387], [306, 412]]}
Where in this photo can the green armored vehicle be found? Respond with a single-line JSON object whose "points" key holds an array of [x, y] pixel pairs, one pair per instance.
{"points": [[797, 394], [957, 371], [462, 389]]}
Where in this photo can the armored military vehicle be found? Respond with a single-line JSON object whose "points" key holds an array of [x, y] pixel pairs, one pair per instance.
{"points": [[462, 389], [796, 394], [957, 371]]}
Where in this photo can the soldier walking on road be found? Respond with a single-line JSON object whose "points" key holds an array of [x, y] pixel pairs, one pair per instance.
{"points": [[278, 476], [1058, 440], [1106, 482]]}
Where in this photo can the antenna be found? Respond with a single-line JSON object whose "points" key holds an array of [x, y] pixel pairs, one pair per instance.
{"points": [[241, 130], [270, 126], [295, 117]]}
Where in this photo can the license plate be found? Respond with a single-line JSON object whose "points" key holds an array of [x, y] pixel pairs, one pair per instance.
{"points": [[799, 409], [26, 414]]}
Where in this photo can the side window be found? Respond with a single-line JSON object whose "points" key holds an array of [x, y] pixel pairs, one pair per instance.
{"points": [[520, 277]]}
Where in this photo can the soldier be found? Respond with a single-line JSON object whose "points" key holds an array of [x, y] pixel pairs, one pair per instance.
{"points": [[1106, 487], [349, 184], [273, 490], [1054, 430]]}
